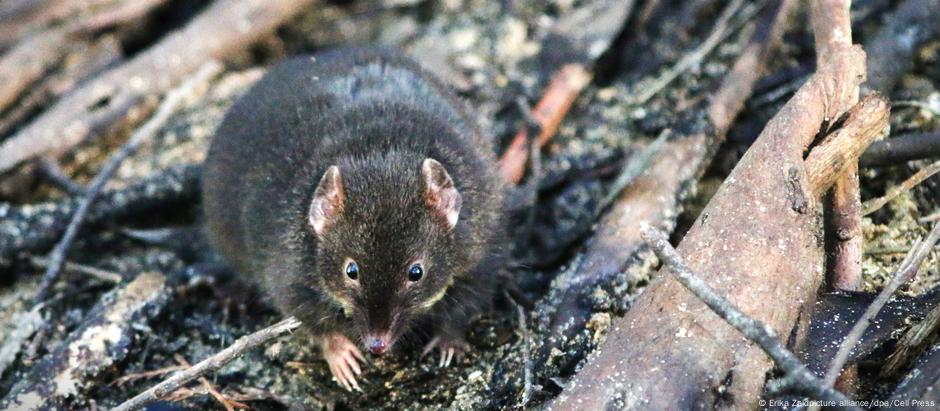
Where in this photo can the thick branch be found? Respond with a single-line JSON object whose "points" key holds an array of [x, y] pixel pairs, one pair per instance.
{"points": [[795, 372], [767, 204]]}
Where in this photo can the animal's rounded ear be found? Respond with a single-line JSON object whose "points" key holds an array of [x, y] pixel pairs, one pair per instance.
{"points": [[327, 203], [440, 194]]}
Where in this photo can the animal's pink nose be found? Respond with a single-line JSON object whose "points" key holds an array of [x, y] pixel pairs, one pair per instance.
{"points": [[377, 346]]}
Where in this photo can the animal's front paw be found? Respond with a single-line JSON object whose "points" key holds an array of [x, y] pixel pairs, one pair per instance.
{"points": [[342, 355], [449, 348]]}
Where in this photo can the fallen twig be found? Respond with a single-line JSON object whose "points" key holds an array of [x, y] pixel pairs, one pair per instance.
{"points": [[798, 377], [214, 362], [929, 218], [894, 250], [901, 149], [905, 272], [103, 275], [572, 46], [832, 29], [173, 100], [147, 374], [32, 58], [560, 94], [615, 253], [124, 13], [829, 160], [51, 171], [230, 405], [767, 203], [875, 204], [20, 17], [721, 30], [28, 62]]}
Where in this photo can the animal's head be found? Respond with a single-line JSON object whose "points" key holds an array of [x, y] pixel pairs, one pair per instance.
{"points": [[384, 234]]}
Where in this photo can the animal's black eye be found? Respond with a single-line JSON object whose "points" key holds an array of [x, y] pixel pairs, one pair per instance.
{"points": [[352, 270], [415, 272]]}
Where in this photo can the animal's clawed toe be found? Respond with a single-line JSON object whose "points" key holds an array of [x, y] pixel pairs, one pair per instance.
{"points": [[343, 358], [449, 348]]}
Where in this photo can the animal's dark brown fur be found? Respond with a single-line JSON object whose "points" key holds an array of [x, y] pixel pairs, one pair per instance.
{"points": [[377, 116]]}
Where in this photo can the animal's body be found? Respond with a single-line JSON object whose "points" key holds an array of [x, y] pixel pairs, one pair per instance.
{"points": [[360, 193]]}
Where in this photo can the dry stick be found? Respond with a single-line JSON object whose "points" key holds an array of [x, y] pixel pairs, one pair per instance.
{"points": [[832, 29], [932, 217], [904, 273], [53, 173], [37, 16], [214, 362], [95, 347], [103, 275], [585, 34], [36, 228], [894, 250], [792, 129], [719, 33], [802, 379], [123, 94], [567, 84], [229, 405], [638, 164], [901, 149], [172, 102], [875, 204], [830, 159], [613, 244], [147, 374], [560, 94]]}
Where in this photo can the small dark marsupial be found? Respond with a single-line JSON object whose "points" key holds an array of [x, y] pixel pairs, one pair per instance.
{"points": [[362, 195]]}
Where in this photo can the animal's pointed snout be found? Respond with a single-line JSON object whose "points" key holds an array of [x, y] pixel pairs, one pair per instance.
{"points": [[378, 344]]}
